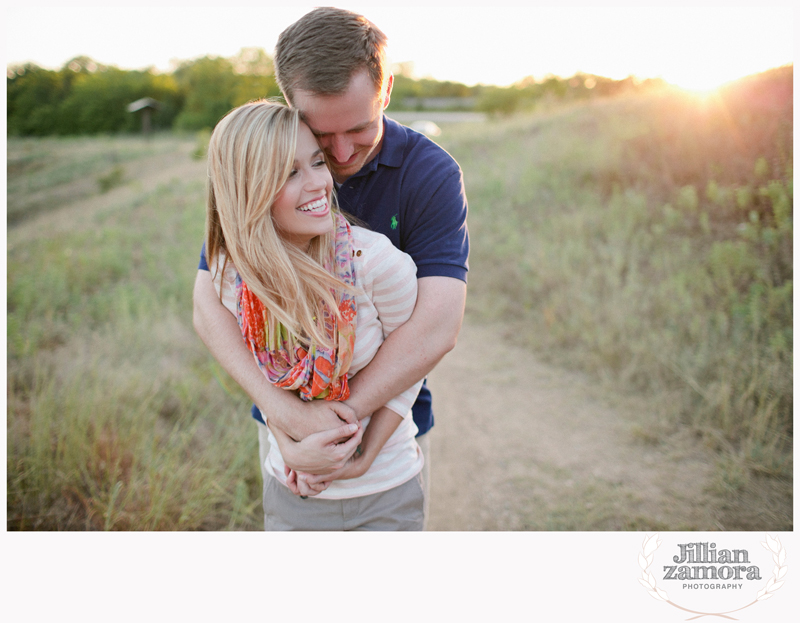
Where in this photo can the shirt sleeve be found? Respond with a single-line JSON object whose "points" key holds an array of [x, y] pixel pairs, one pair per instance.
{"points": [[203, 265], [435, 228], [394, 294], [225, 283]]}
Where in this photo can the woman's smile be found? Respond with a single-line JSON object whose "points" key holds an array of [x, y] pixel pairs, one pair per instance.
{"points": [[317, 207]]}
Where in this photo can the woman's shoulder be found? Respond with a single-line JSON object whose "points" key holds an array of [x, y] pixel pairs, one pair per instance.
{"points": [[379, 264], [373, 248], [220, 262], [368, 239]]}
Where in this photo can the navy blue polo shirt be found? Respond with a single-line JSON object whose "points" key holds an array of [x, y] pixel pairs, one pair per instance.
{"points": [[412, 192]]}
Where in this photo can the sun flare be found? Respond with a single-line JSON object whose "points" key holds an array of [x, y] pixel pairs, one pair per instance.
{"points": [[702, 66], [703, 81]]}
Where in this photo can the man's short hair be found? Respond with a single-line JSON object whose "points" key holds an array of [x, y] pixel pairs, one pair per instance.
{"points": [[322, 50]]}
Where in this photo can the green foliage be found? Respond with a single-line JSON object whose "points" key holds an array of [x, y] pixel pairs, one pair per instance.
{"points": [[113, 178], [86, 98], [33, 95], [201, 147], [97, 101], [500, 101], [75, 100], [209, 84], [525, 95], [216, 85], [406, 87]]}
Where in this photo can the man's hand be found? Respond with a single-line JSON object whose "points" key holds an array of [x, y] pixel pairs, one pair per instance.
{"points": [[320, 453], [317, 416], [305, 484], [380, 428]]}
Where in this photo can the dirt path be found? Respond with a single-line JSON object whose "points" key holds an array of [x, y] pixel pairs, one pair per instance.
{"points": [[521, 445]]}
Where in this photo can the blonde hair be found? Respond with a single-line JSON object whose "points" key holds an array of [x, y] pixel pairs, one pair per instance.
{"points": [[250, 156]]}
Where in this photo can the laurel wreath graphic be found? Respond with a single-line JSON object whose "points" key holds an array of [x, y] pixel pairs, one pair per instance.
{"points": [[651, 544]]}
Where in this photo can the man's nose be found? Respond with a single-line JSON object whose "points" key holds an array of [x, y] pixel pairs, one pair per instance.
{"points": [[340, 148]]}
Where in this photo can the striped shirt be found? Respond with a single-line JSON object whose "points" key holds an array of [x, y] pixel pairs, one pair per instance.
{"points": [[387, 292]]}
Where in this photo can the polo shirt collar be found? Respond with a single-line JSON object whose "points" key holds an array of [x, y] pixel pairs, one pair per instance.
{"points": [[392, 148]]}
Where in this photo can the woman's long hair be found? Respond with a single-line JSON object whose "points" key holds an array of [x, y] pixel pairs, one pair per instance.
{"points": [[250, 156]]}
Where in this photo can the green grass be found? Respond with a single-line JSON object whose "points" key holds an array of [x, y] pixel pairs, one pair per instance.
{"points": [[45, 172]]}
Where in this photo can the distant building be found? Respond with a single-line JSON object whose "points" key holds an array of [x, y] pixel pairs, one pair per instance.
{"points": [[147, 105]]}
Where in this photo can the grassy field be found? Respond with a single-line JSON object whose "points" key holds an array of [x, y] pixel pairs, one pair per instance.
{"points": [[117, 416], [646, 240]]}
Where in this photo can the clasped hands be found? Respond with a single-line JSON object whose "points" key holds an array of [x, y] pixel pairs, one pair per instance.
{"points": [[328, 451]]}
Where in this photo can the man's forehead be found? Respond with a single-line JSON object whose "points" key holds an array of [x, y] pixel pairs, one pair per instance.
{"points": [[333, 115], [357, 106]]}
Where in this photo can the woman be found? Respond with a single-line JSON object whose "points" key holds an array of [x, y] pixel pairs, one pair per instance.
{"points": [[314, 298]]}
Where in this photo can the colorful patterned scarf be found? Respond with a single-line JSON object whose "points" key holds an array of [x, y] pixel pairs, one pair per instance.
{"points": [[319, 372]]}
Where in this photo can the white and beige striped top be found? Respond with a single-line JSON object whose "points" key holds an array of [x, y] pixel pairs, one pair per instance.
{"points": [[387, 292]]}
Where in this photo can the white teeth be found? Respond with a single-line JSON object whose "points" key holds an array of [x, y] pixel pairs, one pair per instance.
{"points": [[315, 206]]}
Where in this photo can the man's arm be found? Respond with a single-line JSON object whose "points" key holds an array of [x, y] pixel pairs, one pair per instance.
{"points": [[381, 426], [220, 332], [412, 350]]}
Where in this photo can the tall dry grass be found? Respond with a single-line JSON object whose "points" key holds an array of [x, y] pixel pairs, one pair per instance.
{"points": [[117, 416], [648, 240]]}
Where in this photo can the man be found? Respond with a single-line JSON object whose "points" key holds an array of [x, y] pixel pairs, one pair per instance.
{"points": [[331, 66]]}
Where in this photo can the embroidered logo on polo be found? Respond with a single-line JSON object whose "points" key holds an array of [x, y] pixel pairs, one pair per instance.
{"points": [[394, 222]]}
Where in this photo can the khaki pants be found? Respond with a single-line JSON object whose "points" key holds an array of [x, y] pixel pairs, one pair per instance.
{"points": [[397, 509], [422, 440]]}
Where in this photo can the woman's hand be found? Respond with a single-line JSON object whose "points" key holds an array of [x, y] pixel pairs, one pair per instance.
{"points": [[356, 466], [305, 484], [298, 484], [381, 426], [320, 453]]}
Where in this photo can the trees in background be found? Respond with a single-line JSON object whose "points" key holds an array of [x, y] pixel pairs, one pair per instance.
{"points": [[414, 94], [84, 97], [214, 85]]}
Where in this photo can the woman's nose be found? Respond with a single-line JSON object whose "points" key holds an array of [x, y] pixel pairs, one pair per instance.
{"points": [[317, 179]]}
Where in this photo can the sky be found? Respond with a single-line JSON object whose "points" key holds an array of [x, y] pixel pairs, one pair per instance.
{"points": [[695, 47]]}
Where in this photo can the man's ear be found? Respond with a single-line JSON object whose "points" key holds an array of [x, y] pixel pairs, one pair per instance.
{"points": [[388, 95]]}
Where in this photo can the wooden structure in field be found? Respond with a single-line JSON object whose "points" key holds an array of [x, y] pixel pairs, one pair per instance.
{"points": [[146, 105]]}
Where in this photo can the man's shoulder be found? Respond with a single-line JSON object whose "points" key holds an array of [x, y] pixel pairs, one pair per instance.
{"points": [[418, 152]]}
